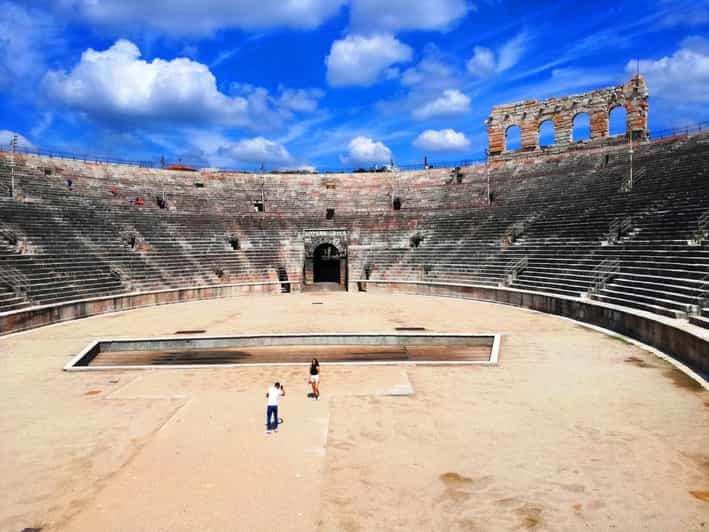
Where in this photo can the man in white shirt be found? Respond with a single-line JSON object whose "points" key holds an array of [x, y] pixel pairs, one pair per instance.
{"points": [[273, 394]]}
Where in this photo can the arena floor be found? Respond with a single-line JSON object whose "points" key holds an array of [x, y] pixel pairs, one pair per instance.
{"points": [[574, 430]]}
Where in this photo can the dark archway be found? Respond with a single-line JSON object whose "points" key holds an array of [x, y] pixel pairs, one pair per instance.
{"points": [[326, 264]]}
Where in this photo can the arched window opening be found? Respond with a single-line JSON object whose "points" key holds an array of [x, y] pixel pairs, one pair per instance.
{"points": [[582, 127], [617, 121], [513, 138], [546, 134]]}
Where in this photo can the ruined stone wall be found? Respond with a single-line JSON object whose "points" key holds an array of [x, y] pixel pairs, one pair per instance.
{"points": [[530, 114], [236, 193]]}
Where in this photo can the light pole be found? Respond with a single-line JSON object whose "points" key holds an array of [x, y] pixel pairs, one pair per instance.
{"points": [[263, 192], [395, 182], [487, 174], [13, 143], [630, 177], [630, 129]]}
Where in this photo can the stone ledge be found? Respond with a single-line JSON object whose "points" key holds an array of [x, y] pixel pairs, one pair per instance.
{"points": [[39, 316], [686, 343]]}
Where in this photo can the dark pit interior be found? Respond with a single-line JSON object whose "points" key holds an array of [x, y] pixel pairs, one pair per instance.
{"points": [[288, 349]]}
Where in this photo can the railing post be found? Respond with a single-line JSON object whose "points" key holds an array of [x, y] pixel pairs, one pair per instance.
{"points": [[13, 143], [487, 173], [630, 177]]}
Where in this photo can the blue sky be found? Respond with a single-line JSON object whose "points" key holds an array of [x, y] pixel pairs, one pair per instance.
{"points": [[326, 83]]}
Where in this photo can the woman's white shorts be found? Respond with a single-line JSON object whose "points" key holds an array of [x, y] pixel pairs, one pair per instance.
{"points": [[315, 378]]}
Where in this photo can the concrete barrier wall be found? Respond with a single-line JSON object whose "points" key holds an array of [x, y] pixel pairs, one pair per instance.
{"points": [[359, 339], [24, 319], [683, 345]]}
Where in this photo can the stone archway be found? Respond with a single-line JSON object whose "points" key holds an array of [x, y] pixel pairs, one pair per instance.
{"points": [[326, 264], [325, 250]]}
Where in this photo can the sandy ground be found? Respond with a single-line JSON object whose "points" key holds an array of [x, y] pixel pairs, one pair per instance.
{"points": [[574, 430]]}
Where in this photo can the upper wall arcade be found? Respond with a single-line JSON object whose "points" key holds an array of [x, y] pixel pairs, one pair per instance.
{"points": [[529, 115]]}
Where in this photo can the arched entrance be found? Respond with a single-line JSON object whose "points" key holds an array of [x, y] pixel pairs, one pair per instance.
{"points": [[326, 264]]}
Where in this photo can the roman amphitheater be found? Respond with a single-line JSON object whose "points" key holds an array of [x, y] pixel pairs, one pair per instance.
{"points": [[510, 345]]}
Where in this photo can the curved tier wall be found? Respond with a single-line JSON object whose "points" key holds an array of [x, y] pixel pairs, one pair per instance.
{"points": [[561, 219]]}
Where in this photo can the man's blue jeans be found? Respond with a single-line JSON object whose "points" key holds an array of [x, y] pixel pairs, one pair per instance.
{"points": [[272, 410]]}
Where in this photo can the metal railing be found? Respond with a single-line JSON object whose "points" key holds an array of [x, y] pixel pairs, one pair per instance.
{"points": [[76, 156], [630, 181], [256, 168], [420, 165], [682, 130], [512, 271], [618, 228], [16, 280], [700, 233], [603, 273], [702, 299], [519, 228], [516, 230], [703, 222]]}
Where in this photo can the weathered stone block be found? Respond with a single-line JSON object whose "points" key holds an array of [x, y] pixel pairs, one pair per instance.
{"points": [[598, 104]]}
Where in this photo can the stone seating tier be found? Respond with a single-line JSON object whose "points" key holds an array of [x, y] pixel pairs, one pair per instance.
{"points": [[556, 211]]}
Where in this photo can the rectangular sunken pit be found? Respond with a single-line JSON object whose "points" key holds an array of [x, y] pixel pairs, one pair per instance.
{"points": [[288, 349]]}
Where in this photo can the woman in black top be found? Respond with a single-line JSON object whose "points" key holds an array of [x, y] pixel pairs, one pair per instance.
{"points": [[315, 377]]}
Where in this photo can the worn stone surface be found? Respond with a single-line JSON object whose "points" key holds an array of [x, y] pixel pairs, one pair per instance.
{"points": [[528, 115]]}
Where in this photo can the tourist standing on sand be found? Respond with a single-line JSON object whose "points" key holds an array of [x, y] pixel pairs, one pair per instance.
{"points": [[273, 394], [315, 377]]}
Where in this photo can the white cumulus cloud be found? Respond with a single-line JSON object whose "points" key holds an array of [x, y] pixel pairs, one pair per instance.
{"points": [[442, 140], [361, 60], [117, 85], [402, 15], [682, 77], [365, 151], [187, 17], [451, 103], [484, 62], [301, 100], [257, 150]]}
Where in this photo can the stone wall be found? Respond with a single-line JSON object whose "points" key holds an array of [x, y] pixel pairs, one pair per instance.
{"points": [[691, 349], [42, 178], [21, 320], [677, 341], [529, 115]]}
